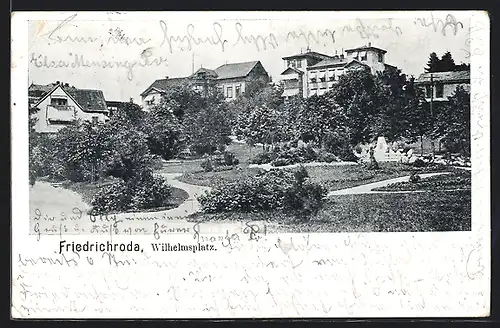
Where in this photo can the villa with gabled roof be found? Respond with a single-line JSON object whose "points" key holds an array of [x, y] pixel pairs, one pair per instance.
{"points": [[231, 79], [311, 73]]}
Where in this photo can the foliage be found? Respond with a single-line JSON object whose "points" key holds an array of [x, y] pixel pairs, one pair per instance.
{"points": [[230, 159], [453, 122], [165, 135], [207, 165], [143, 192], [279, 189], [456, 180], [291, 155], [444, 64]]}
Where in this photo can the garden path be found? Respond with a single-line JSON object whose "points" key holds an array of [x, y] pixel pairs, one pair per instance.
{"points": [[367, 188]]}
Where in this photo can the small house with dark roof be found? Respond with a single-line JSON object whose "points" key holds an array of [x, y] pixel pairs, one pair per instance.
{"points": [[439, 86], [59, 104], [312, 73], [231, 79]]}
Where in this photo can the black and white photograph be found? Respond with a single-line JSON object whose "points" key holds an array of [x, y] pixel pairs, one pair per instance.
{"points": [[231, 128]]}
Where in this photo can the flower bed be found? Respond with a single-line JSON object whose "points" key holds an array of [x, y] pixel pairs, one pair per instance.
{"points": [[452, 181]]}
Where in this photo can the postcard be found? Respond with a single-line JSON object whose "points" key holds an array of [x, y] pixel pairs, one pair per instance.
{"points": [[250, 164]]}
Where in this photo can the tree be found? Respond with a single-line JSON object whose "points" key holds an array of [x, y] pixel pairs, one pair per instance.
{"points": [[433, 65], [208, 125], [453, 122], [356, 94], [446, 63]]}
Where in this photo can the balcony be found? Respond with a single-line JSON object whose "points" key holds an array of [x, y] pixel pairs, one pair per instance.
{"points": [[291, 84], [59, 113]]}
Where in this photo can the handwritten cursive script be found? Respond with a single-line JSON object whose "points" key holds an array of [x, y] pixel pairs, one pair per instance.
{"points": [[188, 40]]}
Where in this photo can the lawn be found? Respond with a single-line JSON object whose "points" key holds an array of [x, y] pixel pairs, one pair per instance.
{"points": [[332, 177], [433, 211]]}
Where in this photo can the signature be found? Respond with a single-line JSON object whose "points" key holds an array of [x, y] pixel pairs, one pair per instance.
{"points": [[80, 61], [189, 40]]}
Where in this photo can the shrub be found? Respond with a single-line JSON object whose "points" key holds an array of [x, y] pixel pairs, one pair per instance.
{"points": [[230, 159], [276, 189], [414, 177], [143, 192], [149, 191], [327, 157], [281, 162], [115, 197], [264, 158], [419, 163], [207, 165]]}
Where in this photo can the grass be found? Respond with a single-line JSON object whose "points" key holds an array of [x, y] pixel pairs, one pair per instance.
{"points": [[454, 180], [437, 211]]}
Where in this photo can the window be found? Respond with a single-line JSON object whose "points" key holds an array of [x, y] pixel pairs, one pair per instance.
{"points": [[95, 119], [363, 55], [229, 92], [427, 91], [380, 57], [237, 90], [299, 63], [439, 91], [59, 101]]}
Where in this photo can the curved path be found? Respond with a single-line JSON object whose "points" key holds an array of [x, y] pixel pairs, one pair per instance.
{"points": [[367, 188]]}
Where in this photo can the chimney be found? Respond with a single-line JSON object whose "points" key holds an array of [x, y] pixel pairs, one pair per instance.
{"points": [[342, 56], [166, 77], [57, 82], [369, 44]]}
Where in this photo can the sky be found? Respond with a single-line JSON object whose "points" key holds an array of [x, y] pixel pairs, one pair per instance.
{"points": [[84, 49]]}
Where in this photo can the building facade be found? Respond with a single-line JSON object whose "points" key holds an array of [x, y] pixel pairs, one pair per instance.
{"points": [[312, 73], [60, 104], [231, 79], [439, 86]]}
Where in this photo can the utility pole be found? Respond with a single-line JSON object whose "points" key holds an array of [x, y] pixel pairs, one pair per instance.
{"points": [[432, 114], [192, 64]]}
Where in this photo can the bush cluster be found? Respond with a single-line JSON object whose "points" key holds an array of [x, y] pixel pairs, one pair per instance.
{"points": [[293, 155], [277, 189], [220, 162], [143, 192]]}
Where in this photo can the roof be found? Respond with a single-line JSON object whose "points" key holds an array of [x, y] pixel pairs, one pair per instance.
{"points": [[88, 100], [365, 48], [235, 70], [445, 77], [164, 84], [312, 54], [337, 62], [292, 70], [40, 88], [209, 72]]}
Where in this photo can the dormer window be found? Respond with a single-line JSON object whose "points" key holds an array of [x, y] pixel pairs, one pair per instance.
{"points": [[380, 57]]}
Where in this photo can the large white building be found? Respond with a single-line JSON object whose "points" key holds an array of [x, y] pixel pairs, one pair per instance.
{"points": [[311, 73]]}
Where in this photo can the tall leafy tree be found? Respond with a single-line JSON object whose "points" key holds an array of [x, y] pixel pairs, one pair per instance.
{"points": [[453, 121]]}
